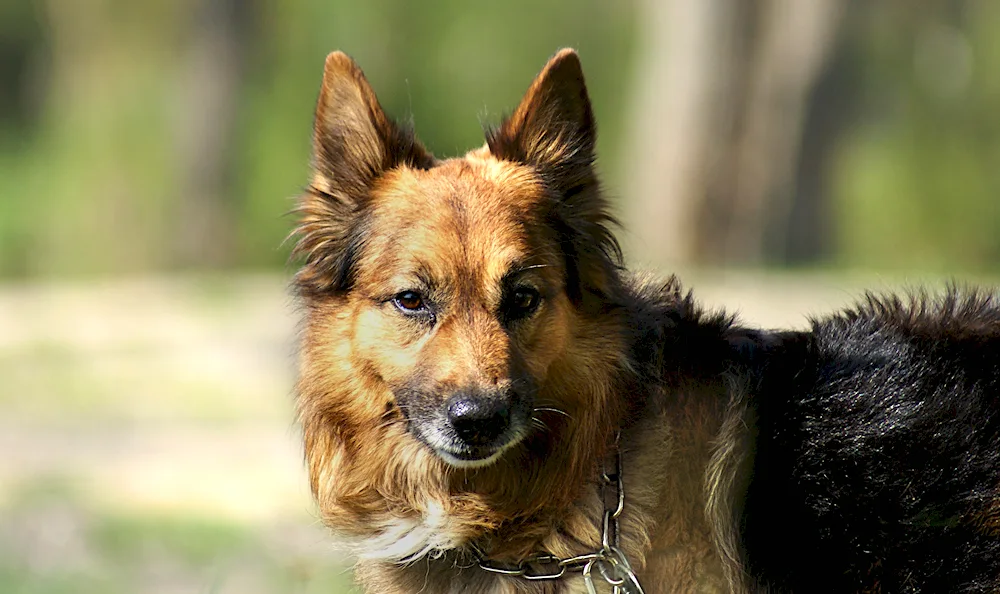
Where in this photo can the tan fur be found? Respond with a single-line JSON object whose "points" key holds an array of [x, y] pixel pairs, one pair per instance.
{"points": [[380, 216], [989, 520], [727, 477]]}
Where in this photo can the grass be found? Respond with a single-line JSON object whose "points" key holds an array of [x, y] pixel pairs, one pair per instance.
{"points": [[149, 443], [53, 542]]}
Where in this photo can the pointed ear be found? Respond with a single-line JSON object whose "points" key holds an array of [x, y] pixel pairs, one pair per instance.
{"points": [[553, 131], [553, 127], [354, 142]]}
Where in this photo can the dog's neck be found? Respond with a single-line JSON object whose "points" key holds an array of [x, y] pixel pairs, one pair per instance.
{"points": [[607, 564]]}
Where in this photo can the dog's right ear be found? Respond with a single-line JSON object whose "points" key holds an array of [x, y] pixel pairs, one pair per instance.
{"points": [[553, 131], [354, 143], [552, 128]]}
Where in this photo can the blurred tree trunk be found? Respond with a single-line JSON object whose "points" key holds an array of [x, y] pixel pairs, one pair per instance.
{"points": [[207, 218], [21, 46], [810, 229], [721, 97]]}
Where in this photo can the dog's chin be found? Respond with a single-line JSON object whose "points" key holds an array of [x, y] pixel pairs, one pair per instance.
{"points": [[474, 457], [460, 455]]}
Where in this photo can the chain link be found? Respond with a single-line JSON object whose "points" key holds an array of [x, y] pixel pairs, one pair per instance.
{"points": [[612, 566]]}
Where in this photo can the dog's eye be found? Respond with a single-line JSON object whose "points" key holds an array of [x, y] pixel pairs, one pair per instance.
{"points": [[523, 301], [410, 301]]}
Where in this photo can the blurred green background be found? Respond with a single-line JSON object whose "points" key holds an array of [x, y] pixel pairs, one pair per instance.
{"points": [[781, 154]]}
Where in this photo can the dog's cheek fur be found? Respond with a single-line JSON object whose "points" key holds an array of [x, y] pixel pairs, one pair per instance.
{"points": [[374, 484], [539, 343]]}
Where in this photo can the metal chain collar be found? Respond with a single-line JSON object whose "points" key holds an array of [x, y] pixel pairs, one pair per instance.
{"points": [[612, 566]]}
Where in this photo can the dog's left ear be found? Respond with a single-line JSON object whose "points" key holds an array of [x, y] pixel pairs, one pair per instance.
{"points": [[553, 131], [553, 127]]}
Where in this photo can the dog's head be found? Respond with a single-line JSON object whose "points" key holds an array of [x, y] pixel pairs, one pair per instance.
{"points": [[457, 310]]}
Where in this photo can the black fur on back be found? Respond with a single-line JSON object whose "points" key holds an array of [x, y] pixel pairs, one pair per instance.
{"points": [[877, 467]]}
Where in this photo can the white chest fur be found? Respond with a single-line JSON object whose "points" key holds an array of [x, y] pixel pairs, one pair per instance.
{"points": [[402, 539]]}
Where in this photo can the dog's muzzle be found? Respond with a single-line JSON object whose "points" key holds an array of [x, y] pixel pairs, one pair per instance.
{"points": [[471, 428]]}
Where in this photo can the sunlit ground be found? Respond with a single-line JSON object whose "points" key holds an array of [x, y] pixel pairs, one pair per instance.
{"points": [[148, 441]]}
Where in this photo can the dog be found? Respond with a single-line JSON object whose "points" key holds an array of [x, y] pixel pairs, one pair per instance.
{"points": [[491, 403]]}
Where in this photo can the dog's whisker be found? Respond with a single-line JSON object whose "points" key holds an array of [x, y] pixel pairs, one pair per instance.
{"points": [[540, 424], [386, 425], [533, 267], [553, 410]]}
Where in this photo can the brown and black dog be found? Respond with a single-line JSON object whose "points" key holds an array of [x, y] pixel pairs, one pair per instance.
{"points": [[474, 358]]}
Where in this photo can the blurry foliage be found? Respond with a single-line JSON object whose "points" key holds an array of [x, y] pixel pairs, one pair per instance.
{"points": [[917, 178], [92, 94]]}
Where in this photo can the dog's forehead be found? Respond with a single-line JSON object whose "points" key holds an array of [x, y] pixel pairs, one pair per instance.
{"points": [[477, 185], [479, 209]]}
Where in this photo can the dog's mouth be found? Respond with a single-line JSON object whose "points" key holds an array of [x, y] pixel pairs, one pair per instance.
{"points": [[462, 455]]}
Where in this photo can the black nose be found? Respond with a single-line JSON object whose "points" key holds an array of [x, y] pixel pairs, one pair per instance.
{"points": [[478, 421]]}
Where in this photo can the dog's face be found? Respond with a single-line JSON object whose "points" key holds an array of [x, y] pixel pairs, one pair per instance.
{"points": [[458, 303], [457, 309]]}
